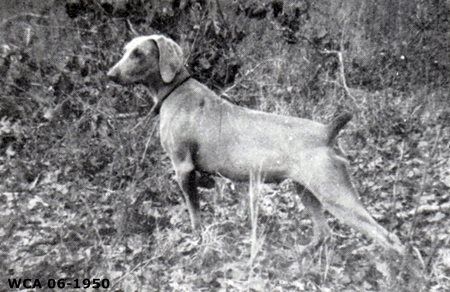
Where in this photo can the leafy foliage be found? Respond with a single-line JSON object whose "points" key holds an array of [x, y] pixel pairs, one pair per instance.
{"points": [[86, 189]]}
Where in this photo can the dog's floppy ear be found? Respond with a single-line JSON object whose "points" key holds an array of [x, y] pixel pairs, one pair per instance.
{"points": [[170, 57]]}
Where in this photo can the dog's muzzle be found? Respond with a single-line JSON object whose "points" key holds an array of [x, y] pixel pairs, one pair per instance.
{"points": [[114, 75]]}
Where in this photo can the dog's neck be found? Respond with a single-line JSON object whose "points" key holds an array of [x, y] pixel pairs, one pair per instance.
{"points": [[179, 79], [160, 90]]}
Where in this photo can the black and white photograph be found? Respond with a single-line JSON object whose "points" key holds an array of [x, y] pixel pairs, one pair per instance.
{"points": [[225, 145]]}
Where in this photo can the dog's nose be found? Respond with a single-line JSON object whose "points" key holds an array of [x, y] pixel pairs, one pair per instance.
{"points": [[113, 75]]}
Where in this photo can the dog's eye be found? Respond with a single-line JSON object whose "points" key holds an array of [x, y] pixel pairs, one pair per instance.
{"points": [[137, 53]]}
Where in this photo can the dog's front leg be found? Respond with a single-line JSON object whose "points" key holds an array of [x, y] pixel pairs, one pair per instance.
{"points": [[186, 177]]}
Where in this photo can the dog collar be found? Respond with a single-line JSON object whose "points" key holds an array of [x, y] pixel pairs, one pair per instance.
{"points": [[173, 88], [157, 106]]}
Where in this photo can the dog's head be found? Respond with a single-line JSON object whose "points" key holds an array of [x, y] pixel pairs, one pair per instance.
{"points": [[148, 57]]}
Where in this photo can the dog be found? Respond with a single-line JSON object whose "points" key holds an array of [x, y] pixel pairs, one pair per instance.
{"points": [[204, 133]]}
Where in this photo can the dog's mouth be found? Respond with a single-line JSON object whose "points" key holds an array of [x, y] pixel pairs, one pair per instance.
{"points": [[122, 80], [115, 78]]}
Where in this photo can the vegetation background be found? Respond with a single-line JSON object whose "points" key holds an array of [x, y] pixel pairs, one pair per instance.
{"points": [[87, 192]]}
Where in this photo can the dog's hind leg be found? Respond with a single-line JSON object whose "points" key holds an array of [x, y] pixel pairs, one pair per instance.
{"points": [[321, 231], [186, 178], [328, 180]]}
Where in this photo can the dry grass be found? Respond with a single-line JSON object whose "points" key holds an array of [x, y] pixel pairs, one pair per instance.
{"points": [[86, 191]]}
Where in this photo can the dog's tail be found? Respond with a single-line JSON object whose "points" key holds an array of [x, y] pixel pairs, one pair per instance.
{"points": [[336, 125]]}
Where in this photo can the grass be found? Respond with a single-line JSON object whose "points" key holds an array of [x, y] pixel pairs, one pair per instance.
{"points": [[87, 193], [252, 240]]}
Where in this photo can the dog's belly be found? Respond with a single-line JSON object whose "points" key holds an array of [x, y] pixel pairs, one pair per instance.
{"points": [[271, 176], [237, 163], [242, 174]]}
